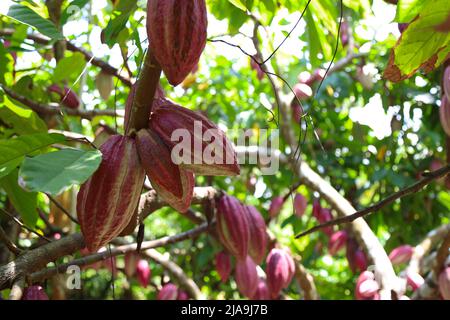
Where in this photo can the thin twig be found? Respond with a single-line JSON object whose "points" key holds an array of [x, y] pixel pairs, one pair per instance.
{"points": [[24, 226], [8, 243], [430, 177], [60, 207]]}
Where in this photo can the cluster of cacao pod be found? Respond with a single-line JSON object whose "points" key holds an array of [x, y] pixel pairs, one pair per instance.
{"points": [[171, 292], [66, 96]]}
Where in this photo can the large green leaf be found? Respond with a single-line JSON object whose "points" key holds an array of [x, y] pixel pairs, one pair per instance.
{"points": [[119, 20], [239, 4], [68, 167], [27, 16], [24, 202], [12, 151], [69, 68], [408, 10], [21, 120]]}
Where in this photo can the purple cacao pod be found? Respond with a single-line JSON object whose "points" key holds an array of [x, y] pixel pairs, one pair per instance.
{"points": [[143, 273], [262, 291], [444, 114], [280, 269], [444, 283], [414, 280], [300, 204], [168, 292], [275, 206], [34, 293], [337, 242], [257, 246], [223, 265], [401, 254], [246, 276]]}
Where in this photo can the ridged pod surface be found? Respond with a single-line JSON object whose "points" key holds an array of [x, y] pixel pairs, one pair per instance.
{"points": [[168, 292], [257, 246], [177, 30], [401, 254], [444, 114], [246, 277], [232, 226], [106, 202], [280, 269], [173, 184], [223, 265]]}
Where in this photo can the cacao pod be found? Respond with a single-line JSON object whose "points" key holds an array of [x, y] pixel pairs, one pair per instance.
{"points": [[446, 82], [173, 184], [366, 286], [300, 204], [131, 260], [257, 246], [34, 293], [262, 291], [106, 202], [280, 269], [316, 209], [275, 206], [317, 76], [302, 91], [444, 283], [355, 256], [414, 280], [143, 273], [223, 265], [182, 295], [168, 292], [345, 37], [325, 216], [172, 122], [444, 114], [304, 77], [246, 276], [232, 226], [297, 111], [66, 96], [105, 84], [402, 27], [337, 242], [255, 66], [401, 254], [177, 31]]}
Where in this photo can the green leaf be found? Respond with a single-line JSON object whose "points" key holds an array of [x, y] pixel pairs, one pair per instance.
{"points": [[69, 67], [239, 4], [23, 121], [27, 16], [69, 167], [12, 151], [408, 10], [24, 202], [118, 21], [71, 9]]}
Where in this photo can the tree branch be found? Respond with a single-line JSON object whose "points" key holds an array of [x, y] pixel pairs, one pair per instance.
{"points": [[306, 281]]}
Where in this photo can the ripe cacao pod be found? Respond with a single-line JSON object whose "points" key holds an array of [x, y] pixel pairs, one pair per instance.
{"points": [[223, 265], [204, 149], [368, 288], [444, 114], [444, 283], [414, 280], [246, 277], [232, 226], [168, 292], [300, 204], [105, 84], [446, 82], [302, 91], [106, 202], [280, 269], [131, 260], [257, 246], [173, 184], [355, 256], [182, 295], [324, 215], [275, 206], [143, 273], [337, 242], [66, 96], [262, 291], [401, 254], [177, 31], [34, 293], [297, 111], [316, 209], [304, 77], [364, 276]]}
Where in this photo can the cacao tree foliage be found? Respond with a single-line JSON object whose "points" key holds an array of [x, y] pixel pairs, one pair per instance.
{"points": [[370, 129]]}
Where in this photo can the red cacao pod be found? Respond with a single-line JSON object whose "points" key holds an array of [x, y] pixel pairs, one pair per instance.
{"points": [[414, 280], [34, 293], [143, 273], [67, 97], [366, 286], [401, 254], [275, 206], [317, 76], [446, 82], [297, 111], [223, 265], [257, 246], [173, 184], [444, 283], [106, 202], [317, 208], [302, 91], [262, 291], [182, 295], [356, 258], [304, 77], [337, 242], [204, 149], [168, 292], [323, 216], [177, 31], [300, 204], [232, 226], [246, 277], [444, 114], [131, 260], [280, 269]]}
